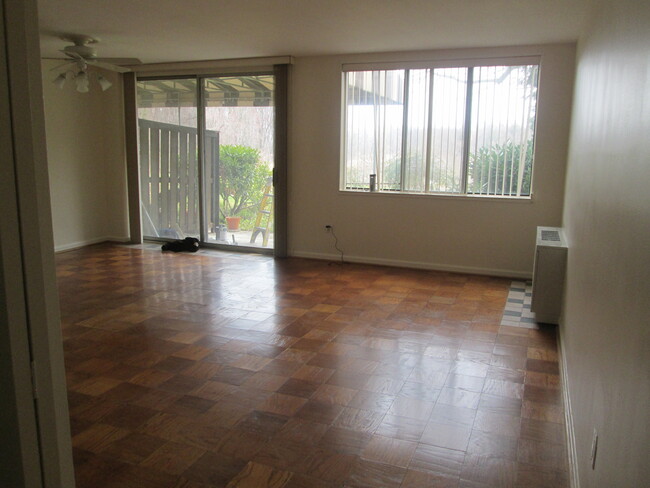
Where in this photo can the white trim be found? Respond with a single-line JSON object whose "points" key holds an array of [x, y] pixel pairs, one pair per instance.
{"points": [[20, 451], [414, 264], [455, 196], [34, 241], [88, 242], [118, 239], [574, 475]]}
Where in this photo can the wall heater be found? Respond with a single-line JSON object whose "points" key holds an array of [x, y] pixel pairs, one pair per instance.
{"points": [[548, 274]]}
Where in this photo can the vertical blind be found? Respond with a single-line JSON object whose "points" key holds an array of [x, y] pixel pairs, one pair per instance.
{"points": [[457, 130], [374, 123]]}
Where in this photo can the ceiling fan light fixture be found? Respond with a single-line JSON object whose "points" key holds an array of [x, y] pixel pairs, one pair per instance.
{"points": [[82, 81], [82, 64], [104, 83], [59, 81]]}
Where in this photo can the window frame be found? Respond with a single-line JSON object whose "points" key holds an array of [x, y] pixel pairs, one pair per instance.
{"points": [[469, 62]]}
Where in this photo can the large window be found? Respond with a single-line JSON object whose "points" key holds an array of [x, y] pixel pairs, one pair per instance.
{"points": [[462, 130]]}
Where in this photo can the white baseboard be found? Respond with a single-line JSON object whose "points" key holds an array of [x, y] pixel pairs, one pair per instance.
{"points": [[118, 239], [415, 264], [89, 242], [574, 478]]}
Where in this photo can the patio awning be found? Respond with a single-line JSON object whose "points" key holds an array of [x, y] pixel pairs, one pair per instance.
{"points": [[223, 91]]}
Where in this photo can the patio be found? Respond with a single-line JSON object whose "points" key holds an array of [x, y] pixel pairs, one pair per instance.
{"points": [[241, 238]]}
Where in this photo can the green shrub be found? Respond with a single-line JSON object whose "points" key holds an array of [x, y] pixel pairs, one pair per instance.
{"points": [[242, 179], [494, 170]]}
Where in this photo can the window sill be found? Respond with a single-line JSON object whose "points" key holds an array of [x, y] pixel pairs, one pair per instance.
{"points": [[491, 198]]}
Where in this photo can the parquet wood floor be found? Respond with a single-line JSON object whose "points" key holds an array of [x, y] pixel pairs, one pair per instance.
{"points": [[222, 370]]}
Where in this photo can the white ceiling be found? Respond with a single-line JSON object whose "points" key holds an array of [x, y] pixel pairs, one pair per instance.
{"points": [[184, 30]]}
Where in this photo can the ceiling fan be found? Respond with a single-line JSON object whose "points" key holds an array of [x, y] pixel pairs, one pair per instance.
{"points": [[80, 55]]}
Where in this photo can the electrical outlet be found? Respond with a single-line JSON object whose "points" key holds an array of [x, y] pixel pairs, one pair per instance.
{"points": [[594, 449]]}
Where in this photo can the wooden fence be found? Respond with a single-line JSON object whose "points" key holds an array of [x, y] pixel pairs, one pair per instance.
{"points": [[169, 178]]}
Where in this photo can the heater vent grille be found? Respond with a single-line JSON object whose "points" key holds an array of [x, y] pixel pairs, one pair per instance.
{"points": [[551, 235]]}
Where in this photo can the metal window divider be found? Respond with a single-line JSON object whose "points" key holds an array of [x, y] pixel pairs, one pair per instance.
{"points": [[405, 115], [200, 116], [427, 182], [467, 130]]}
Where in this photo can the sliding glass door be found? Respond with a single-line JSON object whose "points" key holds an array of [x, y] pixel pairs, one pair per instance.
{"points": [[168, 156], [206, 156], [239, 145]]}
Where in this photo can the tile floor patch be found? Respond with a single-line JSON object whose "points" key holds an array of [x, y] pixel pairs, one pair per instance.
{"points": [[517, 312]]}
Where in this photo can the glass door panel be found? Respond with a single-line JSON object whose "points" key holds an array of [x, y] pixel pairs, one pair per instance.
{"points": [[238, 159], [168, 156]]}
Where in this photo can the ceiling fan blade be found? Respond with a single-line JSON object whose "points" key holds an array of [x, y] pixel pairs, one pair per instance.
{"points": [[67, 63], [71, 55], [108, 66], [120, 61]]}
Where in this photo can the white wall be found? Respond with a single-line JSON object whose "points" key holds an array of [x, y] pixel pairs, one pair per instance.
{"points": [[85, 146], [459, 234], [606, 324], [87, 172]]}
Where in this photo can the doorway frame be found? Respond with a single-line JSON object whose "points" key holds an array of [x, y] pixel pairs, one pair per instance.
{"points": [[36, 449]]}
